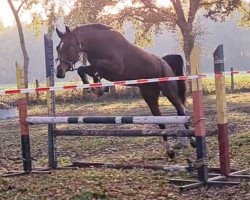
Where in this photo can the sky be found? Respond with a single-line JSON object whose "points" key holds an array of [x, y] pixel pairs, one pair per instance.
{"points": [[6, 15], [7, 18]]}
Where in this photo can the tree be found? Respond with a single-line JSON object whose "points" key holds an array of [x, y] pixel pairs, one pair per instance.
{"points": [[53, 10], [179, 16], [148, 17], [245, 11], [84, 12], [26, 4], [49, 8]]}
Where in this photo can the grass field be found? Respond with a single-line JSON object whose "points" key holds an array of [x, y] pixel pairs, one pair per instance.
{"points": [[87, 184]]}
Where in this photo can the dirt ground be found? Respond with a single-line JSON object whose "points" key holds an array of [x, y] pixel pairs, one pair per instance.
{"points": [[90, 183]]}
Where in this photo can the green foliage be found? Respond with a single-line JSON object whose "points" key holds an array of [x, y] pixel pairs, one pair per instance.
{"points": [[54, 10], [85, 12], [37, 24], [220, 10], [28, 4], [245, 12], [143, 37]]}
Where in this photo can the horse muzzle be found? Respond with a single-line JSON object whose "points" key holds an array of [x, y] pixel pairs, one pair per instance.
{"points": [[60, 74], [61, 71]]}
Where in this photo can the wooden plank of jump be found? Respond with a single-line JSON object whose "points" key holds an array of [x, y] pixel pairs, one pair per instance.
{"points": [[125, 133], [220, 91], [198, 115], [169, 168], [109, 120], [24, 127], [49, 63]]}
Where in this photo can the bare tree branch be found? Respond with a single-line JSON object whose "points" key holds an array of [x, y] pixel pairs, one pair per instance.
{"points": [[20, 6]]}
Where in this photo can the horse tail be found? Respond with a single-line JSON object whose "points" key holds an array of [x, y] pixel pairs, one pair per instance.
{"points": [[176, 63]]}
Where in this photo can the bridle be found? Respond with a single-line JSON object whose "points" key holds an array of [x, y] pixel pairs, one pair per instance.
{"points": [[70, 63]]}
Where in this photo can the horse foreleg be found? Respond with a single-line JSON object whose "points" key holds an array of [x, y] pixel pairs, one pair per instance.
{"points": [[89, 70], [82, 72]]}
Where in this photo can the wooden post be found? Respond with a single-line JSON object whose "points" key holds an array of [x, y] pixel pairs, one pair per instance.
{"points": [[232, 80], [220, 91], [198, 114], [37, 93], [24, 127], [49, 60]]}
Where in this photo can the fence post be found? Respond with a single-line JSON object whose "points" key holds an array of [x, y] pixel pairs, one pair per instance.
{"points": [[199, 119], [220, 91], [232, 80], [24, 127], [49, 60], [37, 85]]}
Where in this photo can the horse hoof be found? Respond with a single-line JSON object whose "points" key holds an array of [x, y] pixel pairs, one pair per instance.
{"points": [[193, 142], [171, 153], [106, 89]]}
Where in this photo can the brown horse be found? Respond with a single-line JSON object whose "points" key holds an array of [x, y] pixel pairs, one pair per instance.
{"points": [[115, 59], [175, 61]]}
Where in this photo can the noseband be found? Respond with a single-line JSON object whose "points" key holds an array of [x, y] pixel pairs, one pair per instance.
{"points": [[69, 63]]}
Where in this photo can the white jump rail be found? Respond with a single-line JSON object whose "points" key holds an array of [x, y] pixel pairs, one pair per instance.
{"points": [[109, 120]]}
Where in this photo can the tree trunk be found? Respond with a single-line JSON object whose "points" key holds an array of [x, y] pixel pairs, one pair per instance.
{"points": [[188, 44], [22, 41], [186, 27]]}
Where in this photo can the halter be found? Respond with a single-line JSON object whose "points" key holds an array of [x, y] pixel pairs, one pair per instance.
{"points": [[71, 64]]}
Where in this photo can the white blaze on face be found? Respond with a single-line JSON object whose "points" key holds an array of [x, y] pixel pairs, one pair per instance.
{"points": [[59, 48]]}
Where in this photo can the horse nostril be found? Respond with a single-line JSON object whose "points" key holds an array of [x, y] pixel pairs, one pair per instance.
{"points": [[60, 75]]}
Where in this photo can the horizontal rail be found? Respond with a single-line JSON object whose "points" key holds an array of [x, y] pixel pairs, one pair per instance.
{"points": [[168, 168], [115, 83], [125, 133], [110, 120]]}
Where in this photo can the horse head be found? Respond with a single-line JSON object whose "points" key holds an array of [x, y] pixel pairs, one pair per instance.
{"points": [[68, 52]]}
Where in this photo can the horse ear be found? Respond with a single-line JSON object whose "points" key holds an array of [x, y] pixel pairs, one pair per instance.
{"points": [[67, 29], [59, 33]]}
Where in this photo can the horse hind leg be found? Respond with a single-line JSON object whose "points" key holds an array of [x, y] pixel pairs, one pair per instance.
{"points": [[170, 90], [151, 96]]}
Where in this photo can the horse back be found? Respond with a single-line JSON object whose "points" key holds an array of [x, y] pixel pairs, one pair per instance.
{"points": [[95, 26]]}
